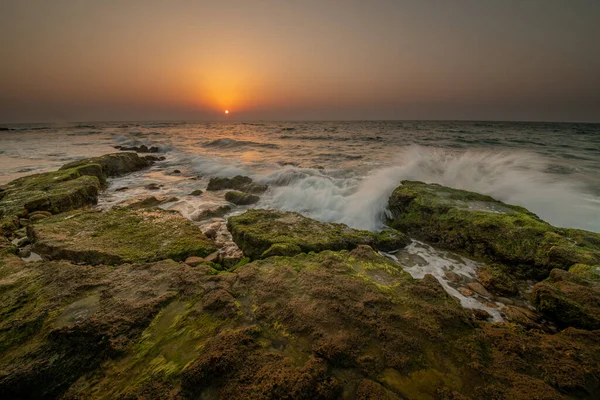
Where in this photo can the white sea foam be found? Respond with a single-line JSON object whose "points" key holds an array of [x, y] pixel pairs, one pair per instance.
{"points": [[514, 177]]}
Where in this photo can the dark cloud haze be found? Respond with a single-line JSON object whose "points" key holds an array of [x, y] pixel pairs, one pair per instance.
{"points": [[279, 60]]}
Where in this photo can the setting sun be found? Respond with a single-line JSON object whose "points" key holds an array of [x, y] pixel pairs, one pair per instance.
{"points": [[226, 111]]}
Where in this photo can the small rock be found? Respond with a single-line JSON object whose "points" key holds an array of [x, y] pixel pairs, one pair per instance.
{"points": [[122, 189], [240, 198], [217, 211], [480, 315], [24, 252], [465, 292], [230, 256], [196, 192], [453, 276], [37, 217], [194, 261], [479, 289], [36, 213], [153, 186], [212, 257], [522, 316], [212, 230], [24, 221], [177, 171], [505, 300], [20, 242]]}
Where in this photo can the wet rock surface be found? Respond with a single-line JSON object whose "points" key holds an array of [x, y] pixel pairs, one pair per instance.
{"points": [[119, 236], [241, 198], [265, 233], [240, 183], [484, 227]]}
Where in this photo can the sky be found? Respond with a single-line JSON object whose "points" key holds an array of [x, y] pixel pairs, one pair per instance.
{"points": [[126, 60]]}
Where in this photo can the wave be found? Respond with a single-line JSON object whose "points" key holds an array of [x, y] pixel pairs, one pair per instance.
{"points": [[519, 178], [227, 143]]}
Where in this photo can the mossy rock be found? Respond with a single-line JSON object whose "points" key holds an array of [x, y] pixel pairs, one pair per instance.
{"points": [[241, 198], [588, 272], [323, 325], [55, 192], [239, 182], [257, 231], [568, 300], [119, 236], [486, 228], [497, 280], [115, 164]]}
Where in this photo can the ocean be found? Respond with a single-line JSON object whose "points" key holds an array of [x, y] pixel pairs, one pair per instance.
{"points": [[338, 171]]}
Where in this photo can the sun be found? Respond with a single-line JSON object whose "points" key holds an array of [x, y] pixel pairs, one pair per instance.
{"points": [[226, 111]]}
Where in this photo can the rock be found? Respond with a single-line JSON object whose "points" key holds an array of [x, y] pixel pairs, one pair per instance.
{"points": [[153, 186], [116, 164], [141, 149], [122, 189], [486, 228], [465, 292], [240, 183], [37, 217], [479, 289], [240, 198], [229, 256], [480, 315], [213, 212], [212, 230], [314, 326], [148, 202], [196, 192], [177, 171], [256, 231], [21, 242], [34, 214], [587, 272], [194, 261], [453, 277], [24, 252], [119, 236], [153, 159], [24, 222], [505, 300], [522, 316], [496, 280], [568, 300], [54, 192]]}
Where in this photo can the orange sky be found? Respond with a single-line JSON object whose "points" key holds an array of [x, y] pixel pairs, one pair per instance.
{"points": [[127, 60]]}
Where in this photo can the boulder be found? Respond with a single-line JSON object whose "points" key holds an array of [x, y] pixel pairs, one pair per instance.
{"points": [[53, 192], [487, 228], [495, 279], [241, 198], [568, 300], [119, 236], [115, 164], [262, 233], [212, 212], [240, 183]]}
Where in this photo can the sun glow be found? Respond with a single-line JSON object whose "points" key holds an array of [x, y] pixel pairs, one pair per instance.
{"points": [[226, 111]]}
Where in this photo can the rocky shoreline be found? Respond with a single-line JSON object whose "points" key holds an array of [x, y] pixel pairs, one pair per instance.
{"points": [[140, 302]]}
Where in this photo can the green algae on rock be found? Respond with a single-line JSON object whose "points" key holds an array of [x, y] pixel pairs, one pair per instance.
{"points": [[119, 236], [569, 300], [238, 182], [487, 228], [241, 198], [115, 164], [56, 192], [261, 233], [328, 325]]}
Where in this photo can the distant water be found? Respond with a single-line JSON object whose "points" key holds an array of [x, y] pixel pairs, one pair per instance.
{"points": [[339, 171]]}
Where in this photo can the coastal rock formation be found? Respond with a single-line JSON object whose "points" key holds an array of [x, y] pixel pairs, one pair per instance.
{"points": [[328, 325], [240, 183], [569, 300], [264, 233], [114, 164], [241, 198], [139, 149], [489, 229], [55, 192], [118, 236]]}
